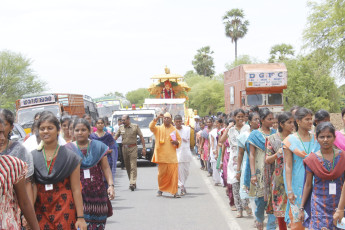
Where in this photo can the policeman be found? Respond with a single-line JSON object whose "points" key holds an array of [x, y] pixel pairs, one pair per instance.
{"points": [[129, 133]]}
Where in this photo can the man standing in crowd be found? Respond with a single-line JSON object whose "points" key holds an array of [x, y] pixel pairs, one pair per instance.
{"points": [[129, 133], [119, 142], [184, 155], [167, 140]]}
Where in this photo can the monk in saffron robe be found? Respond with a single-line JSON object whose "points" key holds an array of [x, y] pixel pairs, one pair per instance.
{"points": [[167, 141]]}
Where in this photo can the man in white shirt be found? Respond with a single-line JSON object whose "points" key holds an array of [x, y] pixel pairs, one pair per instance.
{"points": [[184, 155], [119, 142]]}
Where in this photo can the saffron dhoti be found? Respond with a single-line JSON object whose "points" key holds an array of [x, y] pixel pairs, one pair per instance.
{"points": [[168, 177]]}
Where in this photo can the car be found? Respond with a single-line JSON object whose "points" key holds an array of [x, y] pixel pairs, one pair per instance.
{"points": [[18, 133]]}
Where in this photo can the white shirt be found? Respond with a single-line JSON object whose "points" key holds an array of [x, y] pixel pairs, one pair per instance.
{"points": [[183, 151], [119, 140], [31, 143], [213, 138]]}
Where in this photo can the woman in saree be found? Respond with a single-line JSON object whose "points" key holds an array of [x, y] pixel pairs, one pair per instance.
{"points": [[243, 166], [324, 179], [225, 159], [14, 198], [205, 144], [275, 162], [213, 152], [93, 167], [257, 141], [198, 143], [65, 121], [322, 116], [297, 146], [16, 149], [232, 135], [108, 140], [59, 203]]}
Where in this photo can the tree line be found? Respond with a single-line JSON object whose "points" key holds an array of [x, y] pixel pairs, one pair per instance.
{"points": [[311, 76]]}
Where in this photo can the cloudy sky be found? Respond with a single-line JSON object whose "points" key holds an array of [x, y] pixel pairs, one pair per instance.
{"points": [[96, 47]]}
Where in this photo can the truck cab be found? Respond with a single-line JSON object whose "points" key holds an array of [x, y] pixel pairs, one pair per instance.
{"points": [[74, 104], [259, 85], [141, 117]]}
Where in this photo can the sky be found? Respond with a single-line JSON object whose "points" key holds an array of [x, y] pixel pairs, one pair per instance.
{"points": [[96, 47]]}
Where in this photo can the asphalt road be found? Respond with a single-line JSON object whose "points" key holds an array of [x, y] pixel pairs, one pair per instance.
{"points": [[205, 206]]}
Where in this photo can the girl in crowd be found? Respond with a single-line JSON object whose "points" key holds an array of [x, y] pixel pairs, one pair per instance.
{"points": [[198, 143], [16, 149], [205, 144], [94, 166], [246, 116], [275, 165], [232, 135], [296, 147], [257, 140], [65, 121], [107, 139], [213, 152], [224, 165], [89, 119], [59, 203], [243, 165], [14, 198], [322, 116], [324, 179]]}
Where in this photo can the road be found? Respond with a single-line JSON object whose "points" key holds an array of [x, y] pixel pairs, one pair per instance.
{"points": [[205, 206]]}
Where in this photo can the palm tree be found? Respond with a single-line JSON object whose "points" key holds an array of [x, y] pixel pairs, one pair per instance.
{"points": [[203, 62], [235, 27]]}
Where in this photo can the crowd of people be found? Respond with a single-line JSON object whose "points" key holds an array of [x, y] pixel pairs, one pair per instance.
{"points": [[60, 177], [288, 167]]}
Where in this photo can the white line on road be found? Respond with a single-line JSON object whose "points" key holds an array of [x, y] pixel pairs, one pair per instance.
{"points": [[224, 208]]}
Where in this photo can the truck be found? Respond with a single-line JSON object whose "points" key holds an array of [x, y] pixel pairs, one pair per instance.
{"points": [[141, 117], [259, 85], [74, 104], [108, 104]]}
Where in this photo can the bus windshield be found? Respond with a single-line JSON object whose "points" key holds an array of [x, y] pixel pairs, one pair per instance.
{"points": [[143, 120], [25, 116]]}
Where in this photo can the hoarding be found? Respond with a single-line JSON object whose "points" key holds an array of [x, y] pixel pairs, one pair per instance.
{"points": [[37, 100], [266, 79]]}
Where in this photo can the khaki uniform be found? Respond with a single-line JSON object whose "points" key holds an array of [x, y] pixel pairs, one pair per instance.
{"points": [[129, 149]]}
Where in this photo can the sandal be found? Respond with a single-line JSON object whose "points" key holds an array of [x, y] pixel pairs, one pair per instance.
{"points": [[183, 191], [233, 208], [260, 226], [177, 195], [249, 211], [159, 193], [239, 214]]}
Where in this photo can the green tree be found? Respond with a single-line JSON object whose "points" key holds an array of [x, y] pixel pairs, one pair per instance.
{"points": [[326, 31], [281, 52], [203, 62], [206, 95], [114, 94], [242, 59], [137, 96], [235, 26], [310, 84], [16, 79]]}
